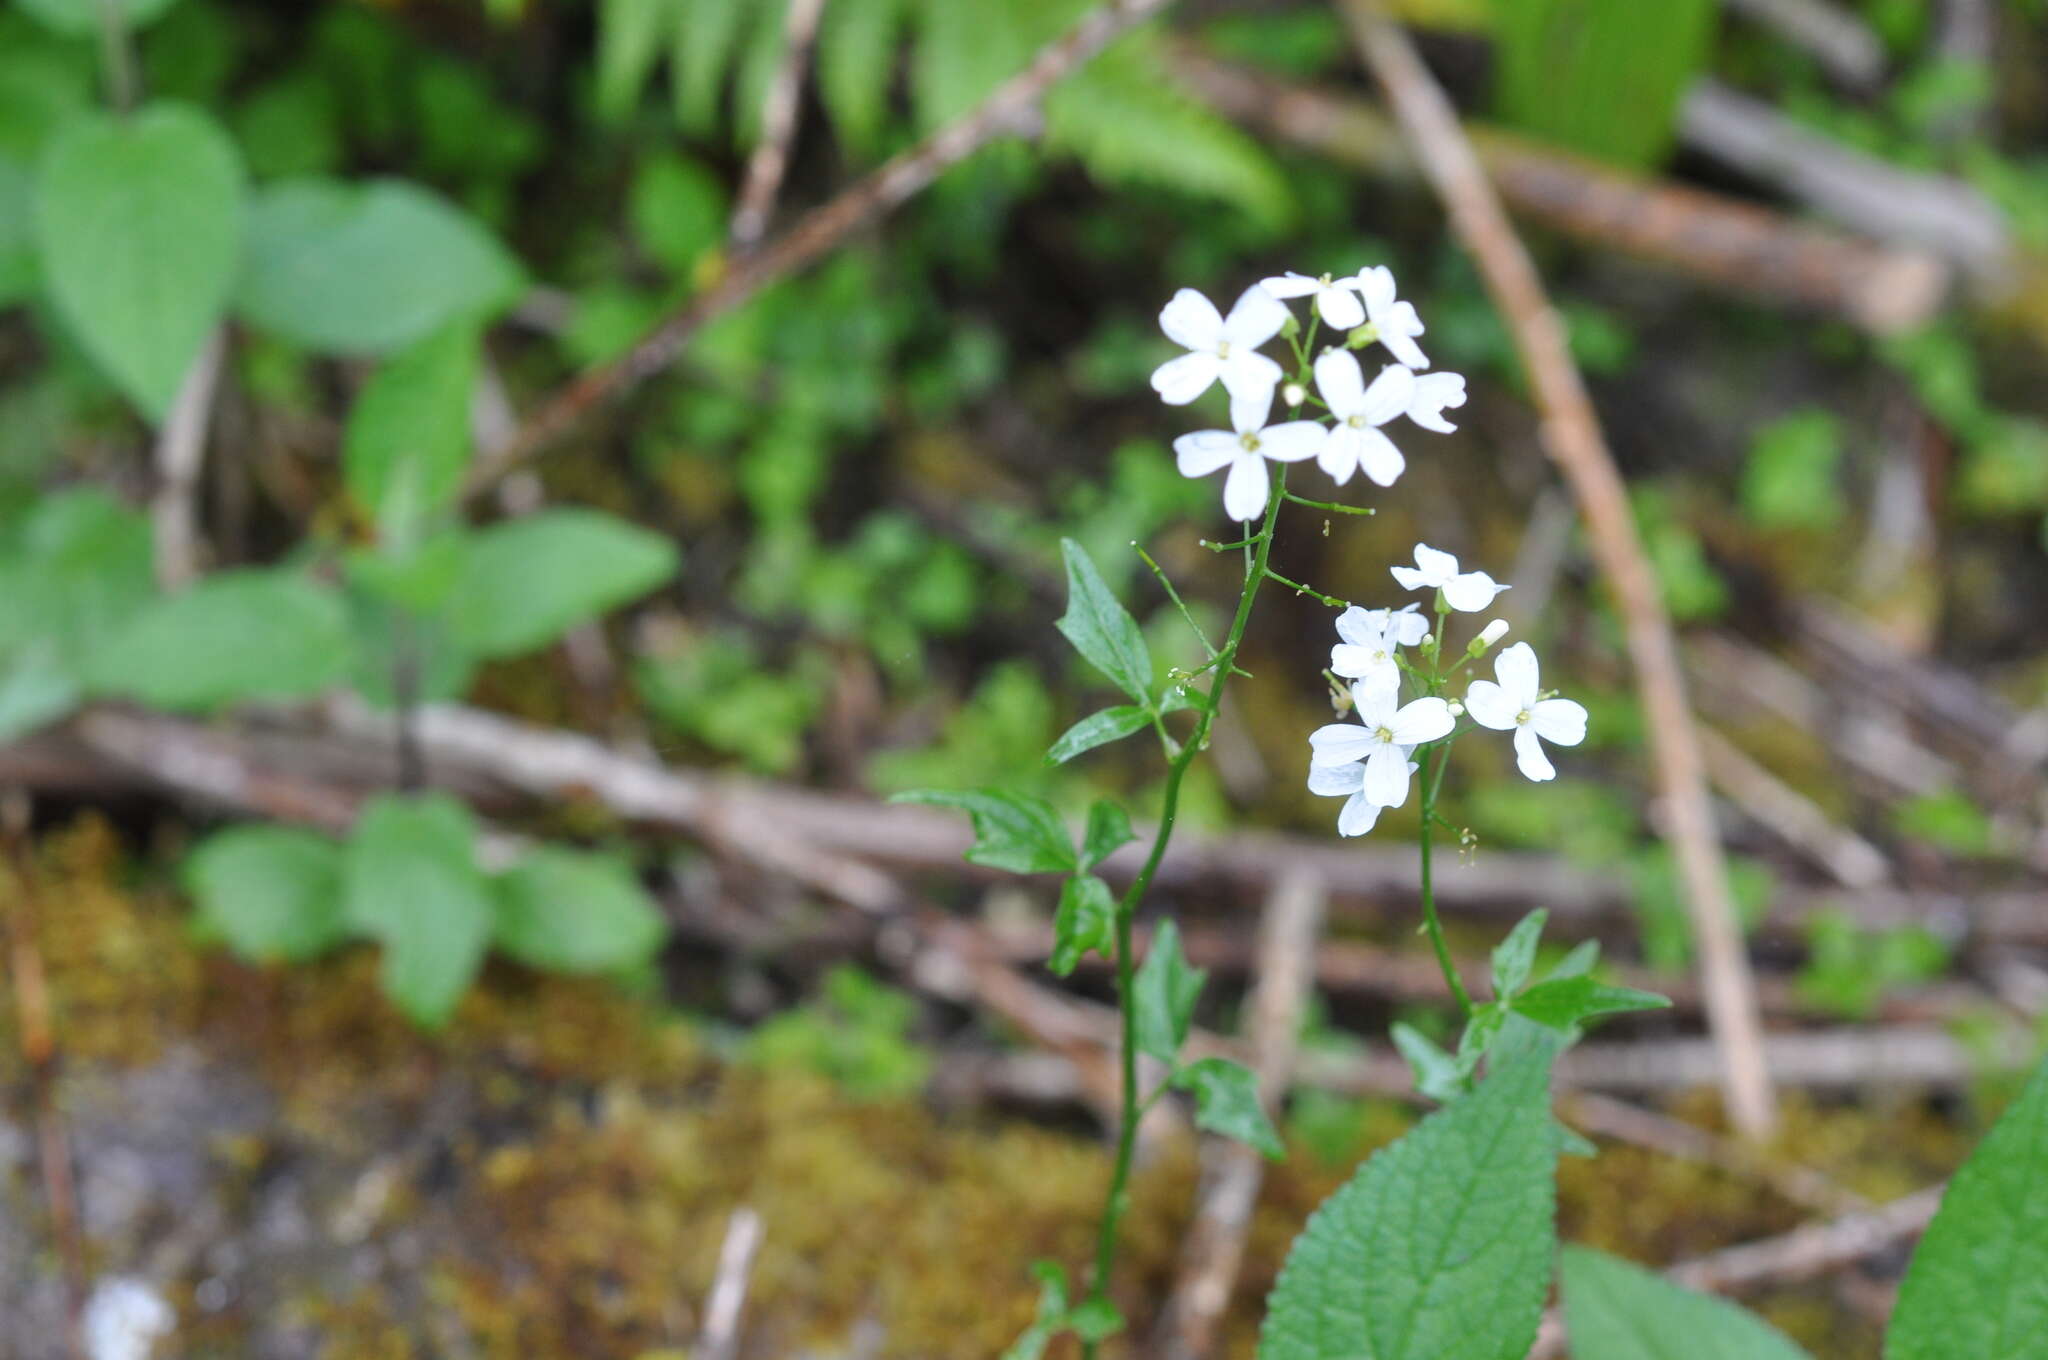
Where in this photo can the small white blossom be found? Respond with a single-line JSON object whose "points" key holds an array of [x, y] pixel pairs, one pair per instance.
{"points": [[1432, 393], [1491, 633], [1370, 639], [1347, 781], [1294, 394], [1382, 737], [1457, 709], [1513, 705], [1219, 346], [1467, 592], [1334, 299], [1394, 322], [123, 1320], [1355, 441], [1245, 449]]}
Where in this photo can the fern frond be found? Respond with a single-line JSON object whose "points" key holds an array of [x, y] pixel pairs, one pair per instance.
{"points": [[856, 66], [706, 40]]}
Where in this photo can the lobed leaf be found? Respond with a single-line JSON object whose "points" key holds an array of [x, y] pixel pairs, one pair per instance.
{"points": [[1563, 1002], [1013, 831], [1227, 1102], [1102, 630], [1108, 830], [1086, 921], [1514, 957]]}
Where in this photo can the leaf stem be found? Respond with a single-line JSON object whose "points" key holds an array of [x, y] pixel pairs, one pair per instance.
{"points": [[1329, 505], [117, 56], [1178, 603], [1300, 589]]}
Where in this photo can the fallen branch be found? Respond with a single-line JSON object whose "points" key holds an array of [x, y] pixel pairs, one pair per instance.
{"points": [[770, 161]]}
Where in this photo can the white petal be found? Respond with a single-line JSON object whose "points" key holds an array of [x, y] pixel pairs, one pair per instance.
{"points": [[1519, 676], [1359, 626], [1180, 381], [1386, 776], [1471, 592], [1440, 566], [1248, 410], [1389, 394], [1423, 720], [1411, 579], [1340, 744], [1339, 455], [1249, 374], [1255, 318], [1376, 286], [1340, 307], [1244, 491], [1368, 666], [1191, 321], [1380, 459], [1396, 328], [1336, 781], [1289, 285], [1433, 392], [1204, 451], [1406, 626], [1529, 757], [1340, 382], [1358, 816], [1490, 705], [1376, 701], [1562, 721], [1293, 441]]}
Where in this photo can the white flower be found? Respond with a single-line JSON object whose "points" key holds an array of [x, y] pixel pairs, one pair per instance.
{"points": [[1355, 441], [1347, 781], [1468, 592], [1246, 450], [1490, 634], [1394, 322], [1334, 298], [1370, 638], [1513, 706], [1385, 732], [1433, 392], [1219, 347], [123, 1320]]}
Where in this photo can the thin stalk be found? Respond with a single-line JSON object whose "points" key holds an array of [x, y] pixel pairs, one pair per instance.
{"points": [[117, 56], [1178, 603], [1433, 766], [1298, 588], [1329, 505]]}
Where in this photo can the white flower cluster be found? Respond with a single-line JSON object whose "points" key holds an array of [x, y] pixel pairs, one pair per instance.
{"points": [[1367, 762], [1227, 348]]}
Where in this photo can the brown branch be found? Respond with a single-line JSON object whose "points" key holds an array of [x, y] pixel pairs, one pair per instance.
{"points": [[880, 193], [180, 452], [1571, 435], [770, 161]]}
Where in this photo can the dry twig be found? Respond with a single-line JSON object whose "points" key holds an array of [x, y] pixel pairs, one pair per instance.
{"points": [[770, 161], [180, 451], [1845, 46], [720, 1339]]}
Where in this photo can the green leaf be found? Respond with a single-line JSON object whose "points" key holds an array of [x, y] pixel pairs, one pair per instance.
{"points": [[139, 224], [81, 18], [1582, 959], [1101, 629], [1978, 1284], [630, 36], [1164, 994], [1013, 831], [35, 688], [367, 268], [1516, 955], [1097, 729], [411, 883], [678, 211], [1560, 1003], [250, 634], [527, 581], [1617, 1311], [1438, 1075], [1440, 1247], [1790, 480], [569, 912], [1108, 828], [1086, 920], [1227, 1102], [1600, 76], [1051, 1317], [272, 893], [408, 437], [74, 574], [18, 267], [855, 43]]}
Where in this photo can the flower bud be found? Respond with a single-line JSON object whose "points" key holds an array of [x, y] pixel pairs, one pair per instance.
{"points": [[1492, 633], [1457, 709], [1294, 394]]}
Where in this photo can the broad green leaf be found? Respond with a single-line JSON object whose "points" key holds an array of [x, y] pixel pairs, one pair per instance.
{"points": [[410, 882], [1103, 630], [1600, 76], [82, 18], [527, 581], [1108, 828], [1516, 955], [18, 268], [1978, 1284], [417, 577], [570, 912], [1164, 994], [630, 36], [272, 893], [35, 688], [1563, 1002], [250, 634], [40, 91], [1617, 1311], [409, 435], [1086, 920], [1013, 831], [367, 268], [678, 210], [708, 34], [75, 572], [139, 224], [1227, 1102], [855, 43], [1440, 1247], [1097, 729], [1438, 1075]]}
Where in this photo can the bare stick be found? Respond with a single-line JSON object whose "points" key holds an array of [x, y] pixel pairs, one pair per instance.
{"points": [[180, 451], [1792, 817], [1571, 435], [770, 161], [729, 1287], [1845, 46], [881, 192]]}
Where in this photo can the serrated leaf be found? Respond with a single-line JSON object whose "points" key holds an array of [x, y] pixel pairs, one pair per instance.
{"points": [[1164, 995], [408, 437], [367, 268], [271, 893], [527, 581], [1617, 1311], [1086, 921], [570, 912], [1097, 729], [1437, 1074], [1013, 831], [1978, 1283], [1562, 1002], [1227, 1102], [1440, 1247], [1516, 955], [1108, 829], [1102, 630], [410, 882], [247, 634], [82, 18], [139, 229]]}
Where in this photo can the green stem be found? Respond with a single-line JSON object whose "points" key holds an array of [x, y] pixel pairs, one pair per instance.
{"points": [[1174, 595], [117, 56], [1298, 588], [1329, 505]]}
